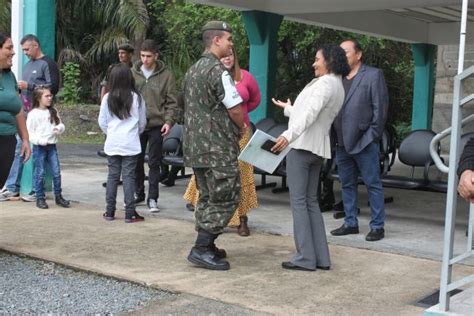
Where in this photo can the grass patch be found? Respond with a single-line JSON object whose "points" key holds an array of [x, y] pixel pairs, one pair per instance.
{"points": [[81, 124]]}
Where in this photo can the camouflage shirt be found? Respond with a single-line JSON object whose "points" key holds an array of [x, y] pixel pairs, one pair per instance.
{"points": [[211, 139]]}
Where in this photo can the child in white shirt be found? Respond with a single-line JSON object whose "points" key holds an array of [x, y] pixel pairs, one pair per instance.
{"points": [[123, 118], [44, 126]]}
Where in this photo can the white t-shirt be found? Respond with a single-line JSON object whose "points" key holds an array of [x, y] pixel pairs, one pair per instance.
{"points": [[123, 136], [147, 73]]}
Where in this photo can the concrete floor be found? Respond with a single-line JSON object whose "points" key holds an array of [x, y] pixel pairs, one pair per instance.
{"points": [[384, 277]]}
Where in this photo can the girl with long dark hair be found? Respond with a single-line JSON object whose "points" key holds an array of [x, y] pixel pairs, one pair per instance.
{"points": [[122, 118]]}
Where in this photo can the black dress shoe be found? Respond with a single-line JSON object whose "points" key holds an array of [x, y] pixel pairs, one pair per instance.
{"points": [[290, 266], [207, 259], [375, 234], [323, 267], [41, 203], [339, 207], [167, 182], [344, 230], [326, 207]]}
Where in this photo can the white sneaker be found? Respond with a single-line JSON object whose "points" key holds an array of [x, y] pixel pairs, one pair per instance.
{"points": [[29, 197], [153, 207], [9, 196]]}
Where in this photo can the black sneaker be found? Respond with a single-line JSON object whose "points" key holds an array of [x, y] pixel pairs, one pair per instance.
{"points": [[375, 234], [139, 198]]}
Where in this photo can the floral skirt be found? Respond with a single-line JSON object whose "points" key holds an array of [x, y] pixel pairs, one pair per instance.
{"points": [[248, 194]]}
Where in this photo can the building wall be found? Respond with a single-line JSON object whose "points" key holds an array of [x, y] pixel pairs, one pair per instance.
{"points": [[446, 69]]}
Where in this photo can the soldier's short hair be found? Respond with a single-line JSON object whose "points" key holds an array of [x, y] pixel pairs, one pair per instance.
{"points": [[208, 35]]}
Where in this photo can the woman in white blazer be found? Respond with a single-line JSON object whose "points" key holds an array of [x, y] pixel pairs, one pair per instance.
{"points": [[308, 132]]}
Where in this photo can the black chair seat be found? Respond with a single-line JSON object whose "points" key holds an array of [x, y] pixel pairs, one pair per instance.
{"points": [[174, 161]]}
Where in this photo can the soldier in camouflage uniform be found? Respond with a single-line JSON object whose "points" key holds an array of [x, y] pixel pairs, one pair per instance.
{"points": [[212, 128]]}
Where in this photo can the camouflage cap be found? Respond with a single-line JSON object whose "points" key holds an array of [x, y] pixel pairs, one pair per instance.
{"points": [[217, 25]]}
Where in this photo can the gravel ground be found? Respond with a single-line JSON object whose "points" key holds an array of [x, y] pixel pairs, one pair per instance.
{"points": [[30, 286]]}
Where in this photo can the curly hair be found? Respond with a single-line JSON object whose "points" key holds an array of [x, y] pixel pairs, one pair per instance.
{"points": [[336, 60]]}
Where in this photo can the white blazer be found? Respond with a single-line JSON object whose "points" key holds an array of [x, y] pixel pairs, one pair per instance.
{"points": [[312, 115]]}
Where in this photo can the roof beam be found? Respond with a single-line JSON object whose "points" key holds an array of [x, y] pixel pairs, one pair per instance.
{"points": [[380, 23], [285, 7]]}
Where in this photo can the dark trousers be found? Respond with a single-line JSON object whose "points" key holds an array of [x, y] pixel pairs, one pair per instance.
{"points": [[154, 140], [126, 166], [7, 143]]}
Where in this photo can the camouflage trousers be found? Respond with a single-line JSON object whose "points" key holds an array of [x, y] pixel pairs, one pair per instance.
{"points": [[219, 196]]}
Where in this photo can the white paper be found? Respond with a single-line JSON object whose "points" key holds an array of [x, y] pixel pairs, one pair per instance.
{"points": [[262, 159]]}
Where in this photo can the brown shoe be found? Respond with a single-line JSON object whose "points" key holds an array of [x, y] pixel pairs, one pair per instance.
{"points": [[243, 229]]}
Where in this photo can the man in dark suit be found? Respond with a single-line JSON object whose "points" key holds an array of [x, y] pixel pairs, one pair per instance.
{"points": [[358, 128]]}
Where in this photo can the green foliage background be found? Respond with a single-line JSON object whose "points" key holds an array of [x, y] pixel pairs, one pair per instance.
{"points": [[89, 31]]}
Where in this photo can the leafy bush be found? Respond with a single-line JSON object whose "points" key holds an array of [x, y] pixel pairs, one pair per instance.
{"points": [[401, 131], [70, 92]]}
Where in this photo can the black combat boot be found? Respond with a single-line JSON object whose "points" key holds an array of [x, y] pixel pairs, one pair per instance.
{"points": [[61, 201], [220, 253], [202, 253]]}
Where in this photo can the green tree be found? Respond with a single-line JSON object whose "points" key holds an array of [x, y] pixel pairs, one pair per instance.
{"points": [[89, 31], [178, 29], [297, 48], [5, 14]]}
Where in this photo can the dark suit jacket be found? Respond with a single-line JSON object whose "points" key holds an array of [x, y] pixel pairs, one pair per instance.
{"points": [[364, 111]]}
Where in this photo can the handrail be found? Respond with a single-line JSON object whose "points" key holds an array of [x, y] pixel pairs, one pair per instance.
{"points": [[434, 144]]}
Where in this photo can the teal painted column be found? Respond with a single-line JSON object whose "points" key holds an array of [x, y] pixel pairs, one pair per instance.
{"points": [[39, 18], [423, 88], [262, 30]]}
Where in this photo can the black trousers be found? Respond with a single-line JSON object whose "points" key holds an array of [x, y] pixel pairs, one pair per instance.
{"points": [[154, 140], [7, 149]]}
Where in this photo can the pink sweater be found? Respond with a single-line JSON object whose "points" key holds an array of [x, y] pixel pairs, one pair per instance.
{"points": [[249, 92]]}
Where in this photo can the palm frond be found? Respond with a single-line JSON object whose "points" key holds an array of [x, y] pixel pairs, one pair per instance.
{"points": [[5, 14]]}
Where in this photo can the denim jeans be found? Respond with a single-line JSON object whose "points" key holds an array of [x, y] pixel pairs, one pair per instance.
{"points": [[126, 166], [14, 177], [46, 156], [367, 162]]}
